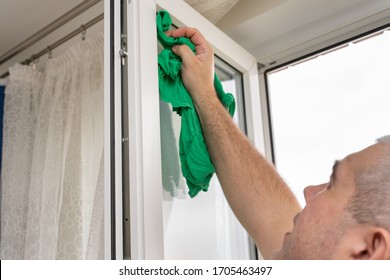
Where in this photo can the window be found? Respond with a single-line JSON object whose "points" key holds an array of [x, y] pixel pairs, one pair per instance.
{"points": [[203, 227], [329, 106], [146, 226]]}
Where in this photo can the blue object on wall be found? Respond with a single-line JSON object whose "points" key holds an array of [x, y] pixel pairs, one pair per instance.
{"points": [[2, 95]]}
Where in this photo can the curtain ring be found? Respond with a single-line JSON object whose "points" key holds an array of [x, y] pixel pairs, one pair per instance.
{"points": [[50, 53], [83, 32], [34, 60], [31, 59]]}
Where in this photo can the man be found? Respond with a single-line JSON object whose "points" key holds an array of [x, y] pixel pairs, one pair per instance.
{"points": [[347, 218]]}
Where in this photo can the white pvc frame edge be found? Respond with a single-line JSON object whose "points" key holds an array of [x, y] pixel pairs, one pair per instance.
{"points": [[107, 144], [107, 135], [146, 218]]}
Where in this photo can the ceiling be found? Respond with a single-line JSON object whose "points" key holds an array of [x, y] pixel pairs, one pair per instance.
{"points": [[269, 29], [280, 30], [21, 19], [213, 10]]}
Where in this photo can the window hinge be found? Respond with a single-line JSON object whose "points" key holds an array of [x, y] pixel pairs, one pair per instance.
{"points": [[123, 54], [123, 51]]}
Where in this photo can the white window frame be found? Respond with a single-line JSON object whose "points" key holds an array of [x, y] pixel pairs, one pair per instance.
{"points": [[146, 217], [112, 141]]}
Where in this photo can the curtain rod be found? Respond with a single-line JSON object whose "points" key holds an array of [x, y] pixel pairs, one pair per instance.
{"points": [[79, 9], [64, 39]]}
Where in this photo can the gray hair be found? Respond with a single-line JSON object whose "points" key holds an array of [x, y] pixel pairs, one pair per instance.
{"points": [[384, 139], [370, 204]]}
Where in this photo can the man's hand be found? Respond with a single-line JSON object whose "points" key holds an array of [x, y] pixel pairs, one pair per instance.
{"points": [[197, 70]]}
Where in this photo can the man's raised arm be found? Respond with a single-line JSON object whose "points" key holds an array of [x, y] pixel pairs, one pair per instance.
{"points": [[260, 199]]}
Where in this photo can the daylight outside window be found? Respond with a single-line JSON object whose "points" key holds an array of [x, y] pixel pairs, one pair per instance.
{"points": [[325, 108]]}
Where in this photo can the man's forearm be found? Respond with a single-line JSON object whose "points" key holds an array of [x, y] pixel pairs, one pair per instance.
{"points": [[257, 194]]}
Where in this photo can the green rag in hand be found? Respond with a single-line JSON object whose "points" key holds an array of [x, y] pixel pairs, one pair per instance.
{"points": [[195, 161]]}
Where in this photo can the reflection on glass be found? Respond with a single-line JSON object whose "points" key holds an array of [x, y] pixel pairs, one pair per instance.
{"points": [[203, 227]]}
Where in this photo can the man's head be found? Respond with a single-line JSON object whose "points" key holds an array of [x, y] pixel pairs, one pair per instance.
{"points": [[349, 217]]}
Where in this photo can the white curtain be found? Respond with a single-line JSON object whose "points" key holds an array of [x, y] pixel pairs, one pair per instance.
{"points": [[52, 167]]}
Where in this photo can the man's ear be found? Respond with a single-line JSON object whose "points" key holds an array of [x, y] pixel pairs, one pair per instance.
{"points": [[371, 243]]}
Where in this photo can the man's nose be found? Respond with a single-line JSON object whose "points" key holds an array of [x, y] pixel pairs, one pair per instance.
{"points": [[310, 191]]}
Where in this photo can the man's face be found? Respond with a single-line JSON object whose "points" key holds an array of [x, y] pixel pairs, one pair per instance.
{"points": [[322, 226]]}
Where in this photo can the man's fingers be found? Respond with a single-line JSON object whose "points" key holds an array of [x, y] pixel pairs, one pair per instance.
{"points": [[193, 34], [183, 51]]}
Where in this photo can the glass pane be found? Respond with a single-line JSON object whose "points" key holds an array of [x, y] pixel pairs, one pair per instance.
{"points": [[202, 227], [328, 107]]}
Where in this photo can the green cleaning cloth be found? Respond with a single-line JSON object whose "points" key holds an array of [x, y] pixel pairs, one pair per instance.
{"points": [[194, 157]]}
